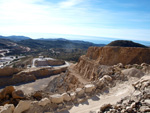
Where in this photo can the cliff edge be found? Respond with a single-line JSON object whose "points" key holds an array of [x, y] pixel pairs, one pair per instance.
{"points": [[99, 60]]}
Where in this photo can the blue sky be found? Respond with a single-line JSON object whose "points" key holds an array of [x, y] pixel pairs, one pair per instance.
{"points": [[123, 19]]}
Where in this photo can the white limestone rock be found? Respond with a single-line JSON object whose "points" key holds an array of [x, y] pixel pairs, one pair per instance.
{"points": [[56, 98], [22, 106], [66, 97], [73, 95], [89, 88], [7, 108], [80, 91], [44, 102]]}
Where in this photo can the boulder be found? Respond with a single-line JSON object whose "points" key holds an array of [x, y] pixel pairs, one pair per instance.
{"points": [[120, 65], [80, 91], [6, 91], [44, 102], [147, 101], [107, 78], [37, 95], [144, 109], [105, 107], [73, 95], [8, 108], [133, 72], [89, 88], [56, 98], [18, 94], [22, 106], [66, 97], [144, 64], [101, 83]]}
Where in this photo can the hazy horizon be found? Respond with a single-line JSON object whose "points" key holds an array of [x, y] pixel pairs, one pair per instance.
{"points": [[128, 20], [93, 39]]}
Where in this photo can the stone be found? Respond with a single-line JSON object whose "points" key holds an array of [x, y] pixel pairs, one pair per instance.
{"points": [[132, 72], [133, 105], [101, 83], [44, 102], [80, 91], [6, 91], [120, 65], [107, 78], [89, 88], [73, 95], [18, 94], [66, 97], [143, 64], [129, 109], [144, 108], [8, 108], [22, 106], [37, 95], [105, 107], [56, 98], [147, 101]]}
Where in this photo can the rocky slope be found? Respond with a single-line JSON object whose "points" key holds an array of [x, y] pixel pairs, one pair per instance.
{"points": [[91, 64], [12, 76], [96, 73], [138, 101], [66, 99]]}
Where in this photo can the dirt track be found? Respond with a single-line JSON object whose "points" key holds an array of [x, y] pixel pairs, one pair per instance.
{"points": [[115, 94]]}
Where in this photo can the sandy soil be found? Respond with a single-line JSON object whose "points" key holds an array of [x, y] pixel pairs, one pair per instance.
{"points": [[114, 95]]}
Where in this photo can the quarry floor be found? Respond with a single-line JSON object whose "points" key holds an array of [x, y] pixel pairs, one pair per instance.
{"points": [[38, 85]]}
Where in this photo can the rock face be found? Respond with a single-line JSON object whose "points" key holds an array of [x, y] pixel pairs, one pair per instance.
{"points": [[115, 55], [50, 63], [30, 76], [5, 72], [98, 60]]}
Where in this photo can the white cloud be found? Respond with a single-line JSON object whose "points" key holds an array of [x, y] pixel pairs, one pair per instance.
{"points": [[66, 17], [69, 3]]}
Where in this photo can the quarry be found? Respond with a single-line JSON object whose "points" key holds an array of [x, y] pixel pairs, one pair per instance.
{"points": [[106, 79]]}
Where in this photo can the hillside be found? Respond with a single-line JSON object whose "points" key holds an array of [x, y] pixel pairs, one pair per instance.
{"points": [[13, 46], [57, 43], [15, 38], [125, 43]]}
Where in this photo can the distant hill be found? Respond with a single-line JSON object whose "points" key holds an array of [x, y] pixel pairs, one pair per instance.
{"points": [[15, 38], [12, 46], [125, 43], [57, 43]]}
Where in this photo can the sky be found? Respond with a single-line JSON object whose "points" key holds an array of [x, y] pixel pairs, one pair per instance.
{"points": [[123, 19]]}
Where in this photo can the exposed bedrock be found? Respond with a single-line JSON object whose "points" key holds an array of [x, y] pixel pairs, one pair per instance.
{"points": [[30, 76], [100, 61], [115, 55]]}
